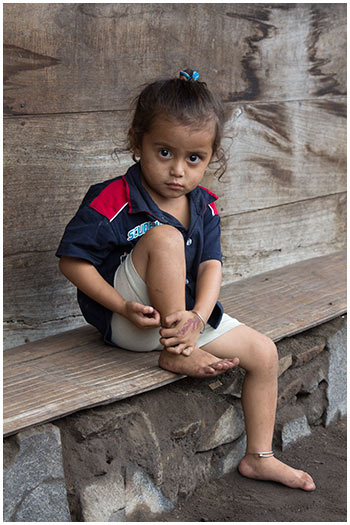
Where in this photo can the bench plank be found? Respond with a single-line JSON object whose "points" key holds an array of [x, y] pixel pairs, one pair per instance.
{"points": [[62, 374], [291, 299]]}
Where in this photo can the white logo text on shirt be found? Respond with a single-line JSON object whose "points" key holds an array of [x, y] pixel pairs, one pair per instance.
{"points": [[141, 229]]}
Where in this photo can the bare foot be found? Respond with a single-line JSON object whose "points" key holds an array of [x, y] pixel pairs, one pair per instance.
{"points": [[198, 364], [271, 469]]}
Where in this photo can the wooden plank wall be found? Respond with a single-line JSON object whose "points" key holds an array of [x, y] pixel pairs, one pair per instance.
{"points": [[71, 71]]}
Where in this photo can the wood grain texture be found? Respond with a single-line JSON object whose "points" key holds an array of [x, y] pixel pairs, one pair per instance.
{"points": [[281, 153], [252, 243], [286, 301], [75, 370], [278, 154], [277, 207], [70, 73], [258, 241], [247, 51]]}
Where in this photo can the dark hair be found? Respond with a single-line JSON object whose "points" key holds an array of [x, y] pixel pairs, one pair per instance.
{"points": [[188, 101]]}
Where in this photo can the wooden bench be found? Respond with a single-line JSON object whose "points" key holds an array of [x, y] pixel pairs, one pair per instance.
{"points": [[73, 370]]}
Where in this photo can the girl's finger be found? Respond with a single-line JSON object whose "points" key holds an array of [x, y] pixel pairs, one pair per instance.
{"points": [[153, 315], [171, 319], [187, 350], [170, 342], [175, 349], [169, 332], [146, 310]]}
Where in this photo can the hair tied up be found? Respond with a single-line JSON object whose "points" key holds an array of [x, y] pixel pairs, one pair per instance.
{"points": [[189, 74]]}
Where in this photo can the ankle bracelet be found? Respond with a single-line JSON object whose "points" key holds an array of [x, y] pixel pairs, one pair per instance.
{"points": [[262, 454]]}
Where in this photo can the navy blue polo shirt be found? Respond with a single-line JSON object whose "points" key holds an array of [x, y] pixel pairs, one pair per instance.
{"points": [[113, 217]]}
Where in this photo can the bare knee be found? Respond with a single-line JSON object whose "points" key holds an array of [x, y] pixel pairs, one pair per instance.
{"points": [[161, 243], [265, 355], [163, 236]]}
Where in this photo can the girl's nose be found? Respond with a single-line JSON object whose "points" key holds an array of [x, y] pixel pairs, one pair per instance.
{"points": [[177, 169]]}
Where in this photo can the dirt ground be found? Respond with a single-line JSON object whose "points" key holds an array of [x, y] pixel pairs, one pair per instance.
{"points": [[234, 498]]}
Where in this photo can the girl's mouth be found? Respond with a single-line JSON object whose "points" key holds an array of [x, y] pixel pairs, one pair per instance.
{"points": [[174, 186]]}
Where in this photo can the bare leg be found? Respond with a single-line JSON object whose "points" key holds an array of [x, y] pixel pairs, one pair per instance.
{"points": [[258, 356], [159, 259]]}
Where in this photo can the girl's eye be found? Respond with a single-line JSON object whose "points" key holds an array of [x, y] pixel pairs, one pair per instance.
{"points": [[194, 159], [165, 153]]}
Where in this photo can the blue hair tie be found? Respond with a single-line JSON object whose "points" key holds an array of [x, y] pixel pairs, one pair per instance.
{"points": [[195, 75]]}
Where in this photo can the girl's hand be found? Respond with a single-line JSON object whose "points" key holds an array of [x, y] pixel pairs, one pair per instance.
{"points": [[141, 315], [180, 332]]}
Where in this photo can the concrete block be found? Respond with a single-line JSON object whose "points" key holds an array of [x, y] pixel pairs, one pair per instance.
{"points": [[34, 484], [227, 428], [336, 391]]}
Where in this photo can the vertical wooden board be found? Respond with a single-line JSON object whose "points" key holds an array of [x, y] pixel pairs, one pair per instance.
{"points": [[263, 240], [101, 53]]}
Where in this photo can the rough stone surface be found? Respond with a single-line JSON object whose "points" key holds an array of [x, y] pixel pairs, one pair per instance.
{"points": [[229, 456], [314, 405], [233, 382], [284, 363], [288, 387], [103, 498], [293, 430], [142, 497], [34, 483], [170, 434], [136, 458], [336, 391], [302, 347], [228, 428]]}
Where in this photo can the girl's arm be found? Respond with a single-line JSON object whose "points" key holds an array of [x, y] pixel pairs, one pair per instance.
{"points": [[85, 277], [208, 287]]}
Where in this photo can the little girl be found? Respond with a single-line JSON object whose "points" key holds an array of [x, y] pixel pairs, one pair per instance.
{"points": [[144, 253]]}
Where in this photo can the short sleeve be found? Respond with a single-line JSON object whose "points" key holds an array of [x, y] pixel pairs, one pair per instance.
{"points": [[88, 236], [211, 232]]}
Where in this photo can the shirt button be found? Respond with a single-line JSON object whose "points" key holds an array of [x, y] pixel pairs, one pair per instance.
{"points": [[187, 281], [188, 242]]}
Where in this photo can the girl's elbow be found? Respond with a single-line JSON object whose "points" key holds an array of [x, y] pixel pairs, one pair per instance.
{"points": [[63, 265]]}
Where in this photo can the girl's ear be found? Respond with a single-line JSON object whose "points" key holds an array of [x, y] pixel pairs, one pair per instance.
{"points": [[134, 143]]}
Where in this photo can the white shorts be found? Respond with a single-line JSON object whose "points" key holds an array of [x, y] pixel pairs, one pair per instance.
{"points": [[126, 335]]}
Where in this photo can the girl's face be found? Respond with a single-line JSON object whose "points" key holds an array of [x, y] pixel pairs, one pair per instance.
{"points": [[174, 157]]}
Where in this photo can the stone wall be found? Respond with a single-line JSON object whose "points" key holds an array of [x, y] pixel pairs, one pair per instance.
{"points": [[139, 457]]}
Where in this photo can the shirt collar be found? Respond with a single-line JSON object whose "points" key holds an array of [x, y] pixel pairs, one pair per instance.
{"points": [[141, 201]]}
